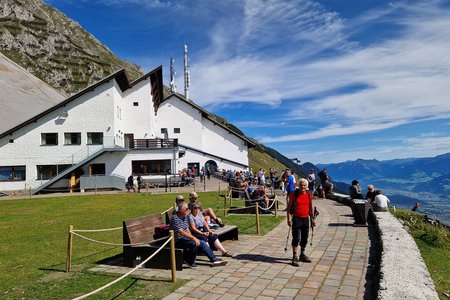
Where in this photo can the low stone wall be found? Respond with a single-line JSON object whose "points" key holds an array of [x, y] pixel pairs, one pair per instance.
{"points": [[403, 273]]}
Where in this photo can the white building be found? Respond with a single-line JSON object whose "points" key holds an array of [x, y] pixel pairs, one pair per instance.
{"points": [[112, 129]]}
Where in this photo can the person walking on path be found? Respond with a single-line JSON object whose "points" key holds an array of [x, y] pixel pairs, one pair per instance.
{"points": [[290, 187], [301, 208], [311, 180]]}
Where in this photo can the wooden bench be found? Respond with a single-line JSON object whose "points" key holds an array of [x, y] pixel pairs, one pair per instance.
{"points": [[142, 230], [228, 232]]}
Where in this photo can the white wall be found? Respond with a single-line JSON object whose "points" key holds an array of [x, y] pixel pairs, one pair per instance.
{"points": [[139, 120], [91, 112], [109, 110], [200, 133]]}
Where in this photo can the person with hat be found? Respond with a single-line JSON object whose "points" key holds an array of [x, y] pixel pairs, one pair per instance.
{"points": [[208, 213]]}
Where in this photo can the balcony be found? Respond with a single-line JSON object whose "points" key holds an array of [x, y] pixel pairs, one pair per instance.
{"points": [[137, 144]]}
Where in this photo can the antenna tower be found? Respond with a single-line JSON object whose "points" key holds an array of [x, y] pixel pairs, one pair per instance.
{"points": [[187, 74], [172, 85]]}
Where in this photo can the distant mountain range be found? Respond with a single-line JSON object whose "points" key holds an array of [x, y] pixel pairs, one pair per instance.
{"points": [[404, 181]]}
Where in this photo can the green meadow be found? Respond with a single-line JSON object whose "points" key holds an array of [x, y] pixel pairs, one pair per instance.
{"points": [[33, 244]]}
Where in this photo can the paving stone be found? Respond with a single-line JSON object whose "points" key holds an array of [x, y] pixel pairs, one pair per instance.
{"points": [[312, 284], [197, 294], [308, 291], [251, 293], [288, 292], [325, 296], [236, 290]]}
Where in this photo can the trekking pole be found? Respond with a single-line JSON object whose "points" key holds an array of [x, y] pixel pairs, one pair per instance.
{"points": [[287, 240], [316, 213]]}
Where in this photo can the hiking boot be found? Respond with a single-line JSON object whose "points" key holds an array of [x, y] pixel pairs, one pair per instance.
{"points": [[218, 263], [295, 261], [304, 258], [219, 222]]}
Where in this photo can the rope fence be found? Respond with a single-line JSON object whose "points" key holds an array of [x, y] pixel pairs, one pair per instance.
{"points": [[111, 244], [172, 254], [97, 230]]}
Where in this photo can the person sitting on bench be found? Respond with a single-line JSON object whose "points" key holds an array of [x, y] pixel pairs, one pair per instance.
{"points": [[189, 243], [200, 229], [208, 213], [260, 194]]}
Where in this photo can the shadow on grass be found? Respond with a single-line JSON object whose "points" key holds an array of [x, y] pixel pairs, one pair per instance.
{"points": [[125, 289], [61, 267]]}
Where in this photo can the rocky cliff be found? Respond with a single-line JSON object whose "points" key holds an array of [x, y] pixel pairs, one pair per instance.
{"points": [[54, 48]]}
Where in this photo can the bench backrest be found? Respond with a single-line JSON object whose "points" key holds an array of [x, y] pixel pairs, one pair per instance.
{"points": [[141, 230]]}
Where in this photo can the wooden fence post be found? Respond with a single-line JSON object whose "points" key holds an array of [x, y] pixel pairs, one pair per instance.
{"points": [[172, 257], [276, 206], [257, 217], [69, 249]]}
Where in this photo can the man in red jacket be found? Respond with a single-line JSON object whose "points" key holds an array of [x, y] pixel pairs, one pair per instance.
{"points": [[301, 209]]}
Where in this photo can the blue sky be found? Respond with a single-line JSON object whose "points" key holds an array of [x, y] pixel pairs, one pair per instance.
{"points": [[325, 81]]}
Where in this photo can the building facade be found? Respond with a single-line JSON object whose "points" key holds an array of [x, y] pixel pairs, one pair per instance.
{"points": [[110, 130]]}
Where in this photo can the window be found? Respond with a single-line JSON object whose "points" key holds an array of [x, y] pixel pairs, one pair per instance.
{"points": [[176, 130], [145, 167], [135, 103], [13, 173], [163, 130], [95, 138], [97, 169], [45, 172], [48, 139], [72, 138]]}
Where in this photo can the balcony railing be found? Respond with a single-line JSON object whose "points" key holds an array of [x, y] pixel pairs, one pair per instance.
{"points": [[152, 143]]}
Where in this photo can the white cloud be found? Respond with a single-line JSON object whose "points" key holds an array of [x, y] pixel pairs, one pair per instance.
{"points": [[406, 76]]}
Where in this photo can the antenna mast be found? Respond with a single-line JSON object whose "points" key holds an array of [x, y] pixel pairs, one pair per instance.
{"points": [[187, 80], [172, 85]]}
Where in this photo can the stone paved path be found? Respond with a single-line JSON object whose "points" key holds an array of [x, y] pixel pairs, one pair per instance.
{"points": [[261, 268]]}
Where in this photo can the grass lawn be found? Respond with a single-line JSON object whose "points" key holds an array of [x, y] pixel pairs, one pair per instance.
{"points": [[33, 241]]}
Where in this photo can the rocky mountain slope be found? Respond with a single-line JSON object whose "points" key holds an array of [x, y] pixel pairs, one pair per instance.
{"points": [[54, 48], [22, 94]]}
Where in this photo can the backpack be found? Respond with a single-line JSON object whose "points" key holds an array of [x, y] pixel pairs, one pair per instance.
{"points": [[310, 197]]}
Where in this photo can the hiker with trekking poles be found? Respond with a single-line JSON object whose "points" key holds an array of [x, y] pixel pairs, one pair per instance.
{"points": [[300, 208]]}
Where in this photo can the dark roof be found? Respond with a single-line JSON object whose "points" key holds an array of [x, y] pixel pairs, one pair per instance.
{"points": [[208, 115], [122, 80]]}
